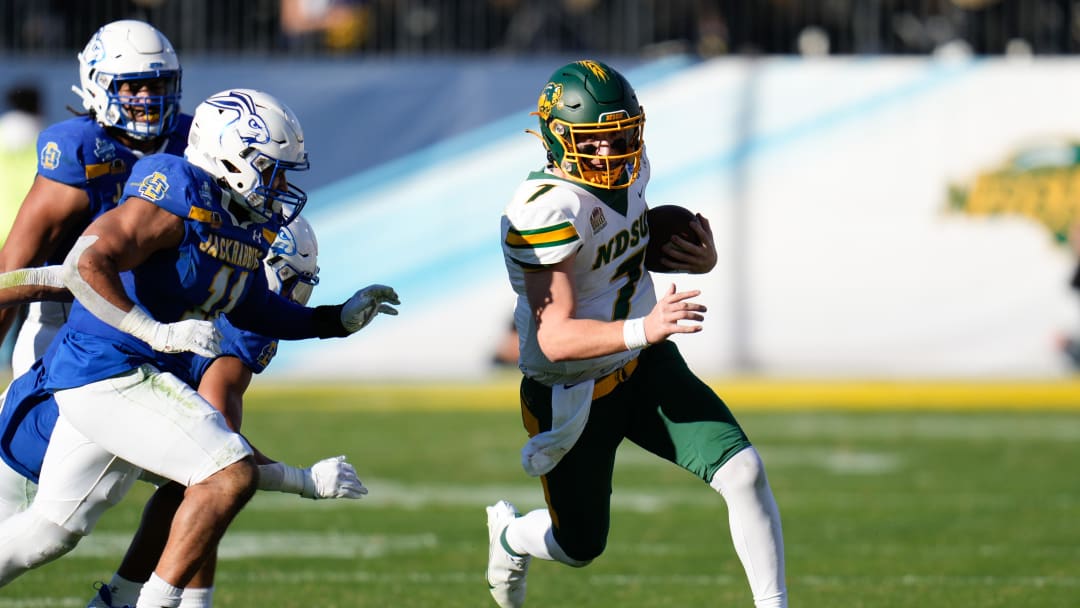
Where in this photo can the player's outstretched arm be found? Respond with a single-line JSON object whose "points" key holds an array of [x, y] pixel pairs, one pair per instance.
{"points": [[276, 317], [365, 304], [223, 385], [327, 478]]}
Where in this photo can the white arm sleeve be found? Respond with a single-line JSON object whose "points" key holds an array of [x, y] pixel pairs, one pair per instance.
{"points": [[199, 337], [88, 296], [47, 276]]}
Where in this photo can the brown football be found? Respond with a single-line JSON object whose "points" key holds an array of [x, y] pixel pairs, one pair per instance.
{"points": [[665, 221]]}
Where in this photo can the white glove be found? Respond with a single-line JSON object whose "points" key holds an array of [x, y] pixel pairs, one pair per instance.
{"points": [[191, 335], [332, 478], [365, 304]]}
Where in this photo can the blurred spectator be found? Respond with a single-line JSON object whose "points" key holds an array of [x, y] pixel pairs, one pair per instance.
{"points": [[539, 26], [707, 27], [334, 25]]}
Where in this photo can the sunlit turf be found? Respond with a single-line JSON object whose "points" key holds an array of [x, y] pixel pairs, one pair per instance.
{"points": [[880, 509]]}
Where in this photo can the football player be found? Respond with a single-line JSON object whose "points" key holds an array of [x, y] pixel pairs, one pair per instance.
{"points": [[130, 87], [129, 78], [27, 420], [598, 367], [291, 270], [149, 277]]}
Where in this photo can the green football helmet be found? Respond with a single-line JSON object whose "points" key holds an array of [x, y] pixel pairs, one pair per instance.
{"points": [[591, 125]]}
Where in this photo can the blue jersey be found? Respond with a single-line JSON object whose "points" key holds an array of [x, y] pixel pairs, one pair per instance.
{"points": [[253, 350], [26, 422], [80, 153], [215, 267]]}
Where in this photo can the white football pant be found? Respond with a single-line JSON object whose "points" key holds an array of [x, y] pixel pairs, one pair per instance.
{"points": [[150, 419], [43, 321]]}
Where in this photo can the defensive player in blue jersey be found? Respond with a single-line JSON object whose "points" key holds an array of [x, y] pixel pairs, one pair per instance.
{"points": [[129, 78], [291, 271], [130, 88], [27, 420], [185, 246]]}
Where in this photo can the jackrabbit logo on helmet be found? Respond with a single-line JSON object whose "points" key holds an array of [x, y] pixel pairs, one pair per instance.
{"points": [[95, 52], [284, 244], [251, 128]]}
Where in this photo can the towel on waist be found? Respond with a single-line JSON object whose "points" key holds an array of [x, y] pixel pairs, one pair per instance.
{"points": [[569, 412]]}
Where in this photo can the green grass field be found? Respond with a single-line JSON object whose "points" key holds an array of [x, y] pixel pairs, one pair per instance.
{"points": [[881, 508]]}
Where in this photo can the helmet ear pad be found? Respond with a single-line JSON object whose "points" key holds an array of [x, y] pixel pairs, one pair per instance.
{"points": [[556, 148]]}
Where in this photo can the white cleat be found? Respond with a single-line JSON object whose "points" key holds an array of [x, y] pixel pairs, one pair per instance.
{"points": [[506, 570]]}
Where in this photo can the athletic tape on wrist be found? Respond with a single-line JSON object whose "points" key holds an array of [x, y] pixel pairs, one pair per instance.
{"points": [[293, 480], [633, 333], [271, 476], [141, 325]]}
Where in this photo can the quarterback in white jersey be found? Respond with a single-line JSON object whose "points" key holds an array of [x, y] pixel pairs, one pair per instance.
{"points": [[597, 365], [548, 221]]}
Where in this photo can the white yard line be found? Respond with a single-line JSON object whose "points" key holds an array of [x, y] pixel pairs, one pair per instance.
{"points": [[245, 545]]}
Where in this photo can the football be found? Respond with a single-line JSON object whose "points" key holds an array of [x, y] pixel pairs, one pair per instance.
{"points": [[665, 221]]}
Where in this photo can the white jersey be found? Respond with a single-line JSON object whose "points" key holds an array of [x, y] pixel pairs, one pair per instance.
{"points": [[551, 219]]}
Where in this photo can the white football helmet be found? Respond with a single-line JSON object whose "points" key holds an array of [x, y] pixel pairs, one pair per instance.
{"points": [[292, 268], [125, 51], [248, 139]]}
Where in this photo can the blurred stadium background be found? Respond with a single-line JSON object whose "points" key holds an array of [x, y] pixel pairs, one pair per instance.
{"points": [[398, 28], [892, 183]]}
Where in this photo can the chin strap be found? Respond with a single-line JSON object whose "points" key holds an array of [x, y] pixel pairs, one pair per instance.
{"points": [[83, 95]]}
